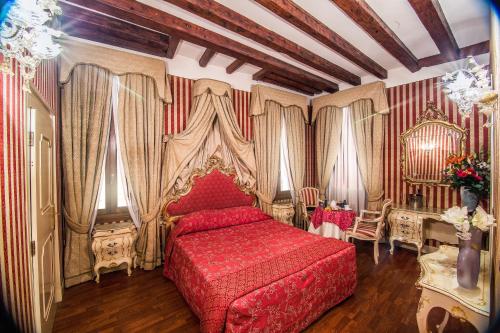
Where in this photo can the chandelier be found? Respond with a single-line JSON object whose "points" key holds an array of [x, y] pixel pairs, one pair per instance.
{"points": [[467, 86], [26, 36]]}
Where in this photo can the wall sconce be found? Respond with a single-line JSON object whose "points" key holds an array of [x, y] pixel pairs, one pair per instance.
{"points": [[26, 37]]}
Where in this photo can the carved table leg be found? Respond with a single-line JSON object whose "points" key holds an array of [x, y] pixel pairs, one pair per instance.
{"points": [[391, 240], [129, 267], [440, 327], [424, 307], [97, 276]]}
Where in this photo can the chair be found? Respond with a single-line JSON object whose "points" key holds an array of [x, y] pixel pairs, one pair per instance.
{"points": [[308, 201], [370, 229]]}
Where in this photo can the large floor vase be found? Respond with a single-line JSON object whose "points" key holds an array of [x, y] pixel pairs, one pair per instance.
{"points": [[469, 260], [469, 199]]}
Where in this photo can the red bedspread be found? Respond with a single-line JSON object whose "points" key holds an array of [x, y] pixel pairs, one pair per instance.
{"points": [[248, 272]]}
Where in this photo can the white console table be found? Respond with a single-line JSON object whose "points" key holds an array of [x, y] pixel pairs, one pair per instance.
{"points": [[415, 225], [440, 288]]}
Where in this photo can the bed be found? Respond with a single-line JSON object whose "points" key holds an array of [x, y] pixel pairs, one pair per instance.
{"points": [[241, 271]]}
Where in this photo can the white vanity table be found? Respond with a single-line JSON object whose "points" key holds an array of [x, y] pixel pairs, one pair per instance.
{"points": [[415, 225]]}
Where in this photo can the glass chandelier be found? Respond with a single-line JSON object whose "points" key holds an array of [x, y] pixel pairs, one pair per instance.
{"points": [[467, 86], [26, 36]]}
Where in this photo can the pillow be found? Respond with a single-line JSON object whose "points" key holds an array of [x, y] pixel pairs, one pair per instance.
{"points": [[219, 218]]}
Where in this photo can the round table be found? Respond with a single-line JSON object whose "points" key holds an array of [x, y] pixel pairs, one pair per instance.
{"points": [[331, 223]]}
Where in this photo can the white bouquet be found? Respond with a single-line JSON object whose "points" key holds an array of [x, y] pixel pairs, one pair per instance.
{"points": [[463, 223]]}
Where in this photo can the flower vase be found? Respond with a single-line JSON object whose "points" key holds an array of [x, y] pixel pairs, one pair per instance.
{"points": [[469, 259], [469, 199]]}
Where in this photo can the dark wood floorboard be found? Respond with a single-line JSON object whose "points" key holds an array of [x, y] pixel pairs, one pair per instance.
{"points": [[385, 301]]}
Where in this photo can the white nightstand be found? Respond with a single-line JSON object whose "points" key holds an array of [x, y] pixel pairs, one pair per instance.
{"points": [[114, 244], [283, 212]]}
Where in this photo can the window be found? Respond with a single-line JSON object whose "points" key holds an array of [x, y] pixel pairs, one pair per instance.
{"points": [[283, 191], [112, 205]]}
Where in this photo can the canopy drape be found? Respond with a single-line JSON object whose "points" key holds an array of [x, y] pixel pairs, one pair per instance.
{"points": [[139, 122], [212, 120], [85, 118]]}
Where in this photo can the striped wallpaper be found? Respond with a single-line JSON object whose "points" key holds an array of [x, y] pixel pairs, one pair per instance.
{"points": [[177, 113], [407, 102], [310, 172], [15, 278]]}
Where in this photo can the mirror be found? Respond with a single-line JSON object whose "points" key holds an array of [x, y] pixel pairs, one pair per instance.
{"points": [[427, 145]]}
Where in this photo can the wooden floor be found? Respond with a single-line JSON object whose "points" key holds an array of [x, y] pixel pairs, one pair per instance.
{"points": [[385, 301]]}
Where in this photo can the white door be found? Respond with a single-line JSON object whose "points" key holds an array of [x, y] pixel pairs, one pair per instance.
{"points": [[43, 217]]}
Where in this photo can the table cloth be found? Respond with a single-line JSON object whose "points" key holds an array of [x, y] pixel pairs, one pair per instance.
{"points": [[342, 218]]}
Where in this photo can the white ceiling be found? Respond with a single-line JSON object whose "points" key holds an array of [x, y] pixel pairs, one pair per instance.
{"points": [[468, 19]]}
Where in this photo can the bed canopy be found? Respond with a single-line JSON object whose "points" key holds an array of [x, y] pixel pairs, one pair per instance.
{"points": [[212, 129]]}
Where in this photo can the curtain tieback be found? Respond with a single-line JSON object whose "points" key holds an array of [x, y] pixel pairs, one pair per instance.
{"points": [[264, 198], [151, 215], [374, 198], [74, 226]]}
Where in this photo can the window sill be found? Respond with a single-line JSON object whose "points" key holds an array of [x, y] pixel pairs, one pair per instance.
{"points": [[120, 214]]}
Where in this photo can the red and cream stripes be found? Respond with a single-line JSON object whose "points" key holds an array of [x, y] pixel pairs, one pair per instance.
{"points": [[15, 277], [406, 103], [310, 172]]}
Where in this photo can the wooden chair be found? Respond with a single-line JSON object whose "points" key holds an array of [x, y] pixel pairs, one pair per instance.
{"points": [[308, 201], [369, 226]]}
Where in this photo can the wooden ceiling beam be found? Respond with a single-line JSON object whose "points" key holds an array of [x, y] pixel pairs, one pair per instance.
{"points": [[432, 17], [234, 66], [229, 19], [280, 84], [74, 17], [259, 75], [471, 50], [291, 83], [91, 26], [172, 47], [362, 14], [295, 15], [206, 56], [158, 20]]}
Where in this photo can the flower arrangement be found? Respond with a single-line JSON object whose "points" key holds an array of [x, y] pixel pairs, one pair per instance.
{"points": [[469, 171], [460, 218]]}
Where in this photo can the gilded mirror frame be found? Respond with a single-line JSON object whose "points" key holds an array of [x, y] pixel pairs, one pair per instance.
{"points": [[432, 115]]}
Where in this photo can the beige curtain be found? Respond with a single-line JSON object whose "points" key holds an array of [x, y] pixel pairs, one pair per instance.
{"points": [[328, 133], [295, 132], [368, 129], [86, 114], [267, 130], [139, 120], [212, 101]]}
